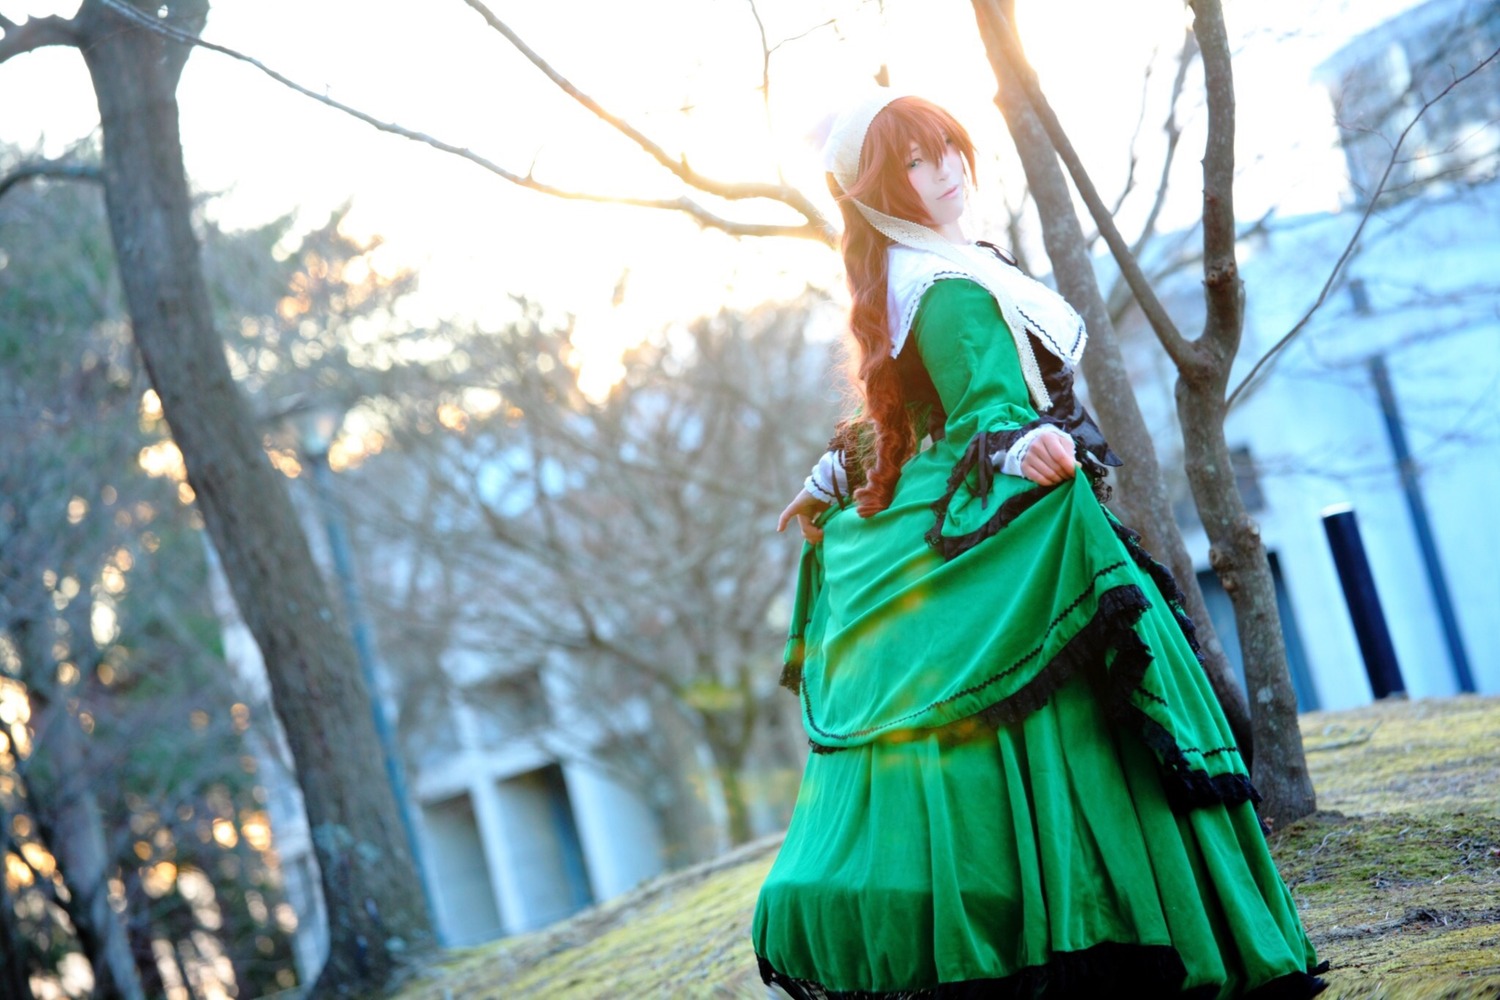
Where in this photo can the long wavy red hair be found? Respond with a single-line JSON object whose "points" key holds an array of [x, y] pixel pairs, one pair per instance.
{"points": [[884, 186]]}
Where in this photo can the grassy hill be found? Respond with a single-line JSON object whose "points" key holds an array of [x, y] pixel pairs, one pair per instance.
{"points": [[1397, 878]]}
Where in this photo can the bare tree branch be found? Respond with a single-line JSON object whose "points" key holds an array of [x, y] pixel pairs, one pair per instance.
{"points": [[803, 34], [1353, 242], [1173, 129], [678, 166], [48, 168], [34, 33], [815, 228], [1181, 350], [765, 76], [732, 191], [1119, 292], [765, 54], [1135, 137], [1221, 279]]}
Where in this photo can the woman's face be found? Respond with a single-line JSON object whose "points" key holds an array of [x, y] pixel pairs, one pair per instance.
{"points": [[940, 183]]}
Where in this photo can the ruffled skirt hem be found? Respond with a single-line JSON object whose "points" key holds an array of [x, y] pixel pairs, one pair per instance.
{"points": [[1027, 859], [1104, 970]]}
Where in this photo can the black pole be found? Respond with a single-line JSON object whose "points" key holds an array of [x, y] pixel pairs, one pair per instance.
{"points": [[1420, 523], [1364, 603], [364, 648]]}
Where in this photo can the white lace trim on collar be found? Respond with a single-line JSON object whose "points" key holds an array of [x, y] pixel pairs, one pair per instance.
{"points": [[1026, 304]]}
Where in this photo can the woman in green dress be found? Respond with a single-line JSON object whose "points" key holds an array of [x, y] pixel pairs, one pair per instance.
{"points": [[1021, 783]]}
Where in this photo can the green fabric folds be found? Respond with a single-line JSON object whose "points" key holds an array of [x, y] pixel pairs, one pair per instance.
{"points": [[1021, 774], [917, 863]]}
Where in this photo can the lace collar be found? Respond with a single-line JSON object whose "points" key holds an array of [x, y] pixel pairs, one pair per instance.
{"points": [[1027, 305]]}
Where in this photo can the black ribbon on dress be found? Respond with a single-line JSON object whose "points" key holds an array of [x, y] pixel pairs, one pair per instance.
{"points": [[979, 458]]}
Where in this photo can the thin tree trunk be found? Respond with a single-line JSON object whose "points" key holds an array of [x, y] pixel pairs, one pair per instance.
{"points": [[1237, 555], [727, 737], [375, 903], [734, 796], [138, 928], [1142, 496], [74, 829], [15, 978], [69, 822]]}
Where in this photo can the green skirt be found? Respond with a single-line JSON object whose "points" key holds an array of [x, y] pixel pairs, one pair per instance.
{"points": [[1044, 860], [1056, 817]]}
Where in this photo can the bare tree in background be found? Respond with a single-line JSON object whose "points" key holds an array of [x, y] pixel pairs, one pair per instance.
{"points": [[629, 536], [1278, 765], [1203, 366], [123, 779], [1203, 363], [1143, 496], [369, 882]]}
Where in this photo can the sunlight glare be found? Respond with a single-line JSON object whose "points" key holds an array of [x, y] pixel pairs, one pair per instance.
{"points": [[159, 879], [14, 705], [18, 874], [163, 459], [597, 346], [256, 828], [225, 833], [104, 623], [453, 417], [39, 858]]}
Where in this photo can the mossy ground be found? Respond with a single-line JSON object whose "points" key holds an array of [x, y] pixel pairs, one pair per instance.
{"points": [[1397, 879]]}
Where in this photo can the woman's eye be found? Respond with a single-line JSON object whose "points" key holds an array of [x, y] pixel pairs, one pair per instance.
{"points": [[914, 164]]}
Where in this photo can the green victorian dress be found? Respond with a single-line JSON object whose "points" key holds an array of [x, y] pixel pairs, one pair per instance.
{"points": [[1021, 784]]}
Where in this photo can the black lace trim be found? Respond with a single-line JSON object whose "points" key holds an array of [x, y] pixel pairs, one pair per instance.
{"points": [[791, 675], [1187, 787], [1111, 628], [1118, 609], [978, 457], [1190, 788], [1103, 970], [1108, 969], [1293, 986], [1165, 582]]}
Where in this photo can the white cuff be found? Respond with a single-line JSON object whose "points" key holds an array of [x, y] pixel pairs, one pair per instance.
{"points": [[827, 481], [1011, 463]]}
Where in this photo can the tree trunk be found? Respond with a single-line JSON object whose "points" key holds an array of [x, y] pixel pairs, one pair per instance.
{"points": [[1142, 496], [68, 819], [138, 928], [730, 783], [375, 903], [79, 841], [15, 977], [726, 736], [1237, 555]]}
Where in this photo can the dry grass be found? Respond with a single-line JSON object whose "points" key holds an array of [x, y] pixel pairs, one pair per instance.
{"points": [[1398, 881]]}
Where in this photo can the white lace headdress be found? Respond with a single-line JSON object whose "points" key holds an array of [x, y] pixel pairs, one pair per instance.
{"points": [[1025, 304]]}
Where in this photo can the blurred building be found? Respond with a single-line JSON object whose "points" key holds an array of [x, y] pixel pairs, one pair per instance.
{"points": [[512, 835], [1403, 355], [1384, 81], [516, 835]]}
